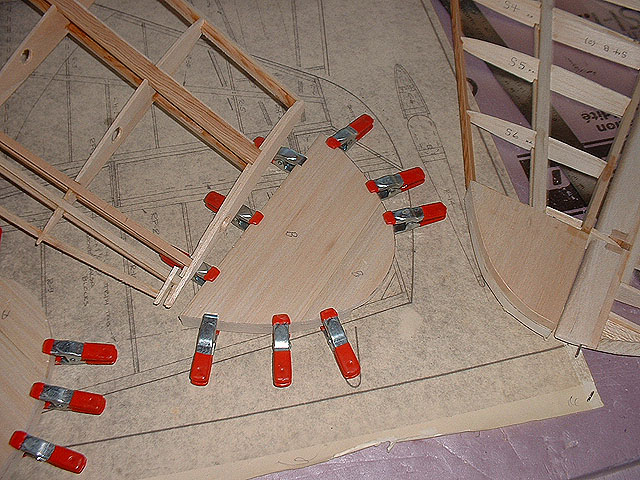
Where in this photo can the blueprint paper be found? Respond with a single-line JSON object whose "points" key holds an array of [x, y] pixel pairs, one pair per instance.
{"points": [[438, 354]]}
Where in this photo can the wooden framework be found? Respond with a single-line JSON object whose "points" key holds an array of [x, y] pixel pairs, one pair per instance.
{"points": [[153, 85], [555, 273]]}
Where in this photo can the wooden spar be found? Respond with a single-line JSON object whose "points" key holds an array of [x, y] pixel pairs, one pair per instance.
{"points": [[89, 199], [84, 222], [78, 254], [612, 161], [524, 137], [631, 4], [167, 87], [41, 41], [239, 192], [564, 82], [575, 31], [190, 15], [127, 119], [463, 101]]}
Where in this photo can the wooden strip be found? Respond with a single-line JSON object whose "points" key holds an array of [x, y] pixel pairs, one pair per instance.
{"points": [[84, 222], [90, 200], [171, 279], [631, 4], [127, 119], [575, 31], [41, 41], [524, 137], [129, 76], [595, 39], [78, 254], [239, 192], [159, 80], [576, 87], [518, 135], [612, 160], [563, 217], [523, 11], [629, 295], [563, 82], [189, 14], [463, 101]]}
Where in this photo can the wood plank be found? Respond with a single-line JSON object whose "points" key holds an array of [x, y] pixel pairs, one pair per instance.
{"points": [[524, 137], [41, 41], [233, 52], [84, 222], [629, 295], [127, 119], [162, 83], [463, 101], [503, 229], [321, 244], [612, 160], [563, 82], [238, 194], [78, 254], [574, 31], [564, 218], [631, 4], [89, 199], [23, 328]]}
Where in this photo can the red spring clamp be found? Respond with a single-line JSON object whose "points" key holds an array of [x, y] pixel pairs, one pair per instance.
{"points": [[205, 348], [69, 351], [170, 261], [44, 451], [281, 350], [243, 218], [409, 218], [337, 340], [391, 185], [61, 398], [286, 158], [347, 136]]}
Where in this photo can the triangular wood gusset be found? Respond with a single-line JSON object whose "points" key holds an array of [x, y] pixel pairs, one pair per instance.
{"points": [[553, 272]]}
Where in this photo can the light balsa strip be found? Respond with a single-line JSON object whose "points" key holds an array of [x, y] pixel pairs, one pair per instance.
{"points": [[127, 119], [575, 31], [629, 295], [564, 218], [631, 4], [524, 137], [566, 83], [41, 41], [78, 254]]}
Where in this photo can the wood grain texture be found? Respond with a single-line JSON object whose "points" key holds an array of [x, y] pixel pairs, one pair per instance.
{"points": [[575, 31], [233, 52], [238, 194], [322, 243], [463, 101], [524, 137], [23, 328], [564, 82], [130, 115], [41, 41], [522, 249], [162, 83]]}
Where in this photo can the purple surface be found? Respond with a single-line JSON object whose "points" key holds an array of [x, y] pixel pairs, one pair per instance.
{"points": [[603, 443]]}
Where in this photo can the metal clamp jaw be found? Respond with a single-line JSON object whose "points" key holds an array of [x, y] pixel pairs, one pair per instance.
{"points": [[391, 185], [281, 350], [72, 352], [242, 219], [286, 159], [205, 348], [44, 451], [337, 339], [61, 398], [346, 137], [409, 218]]}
